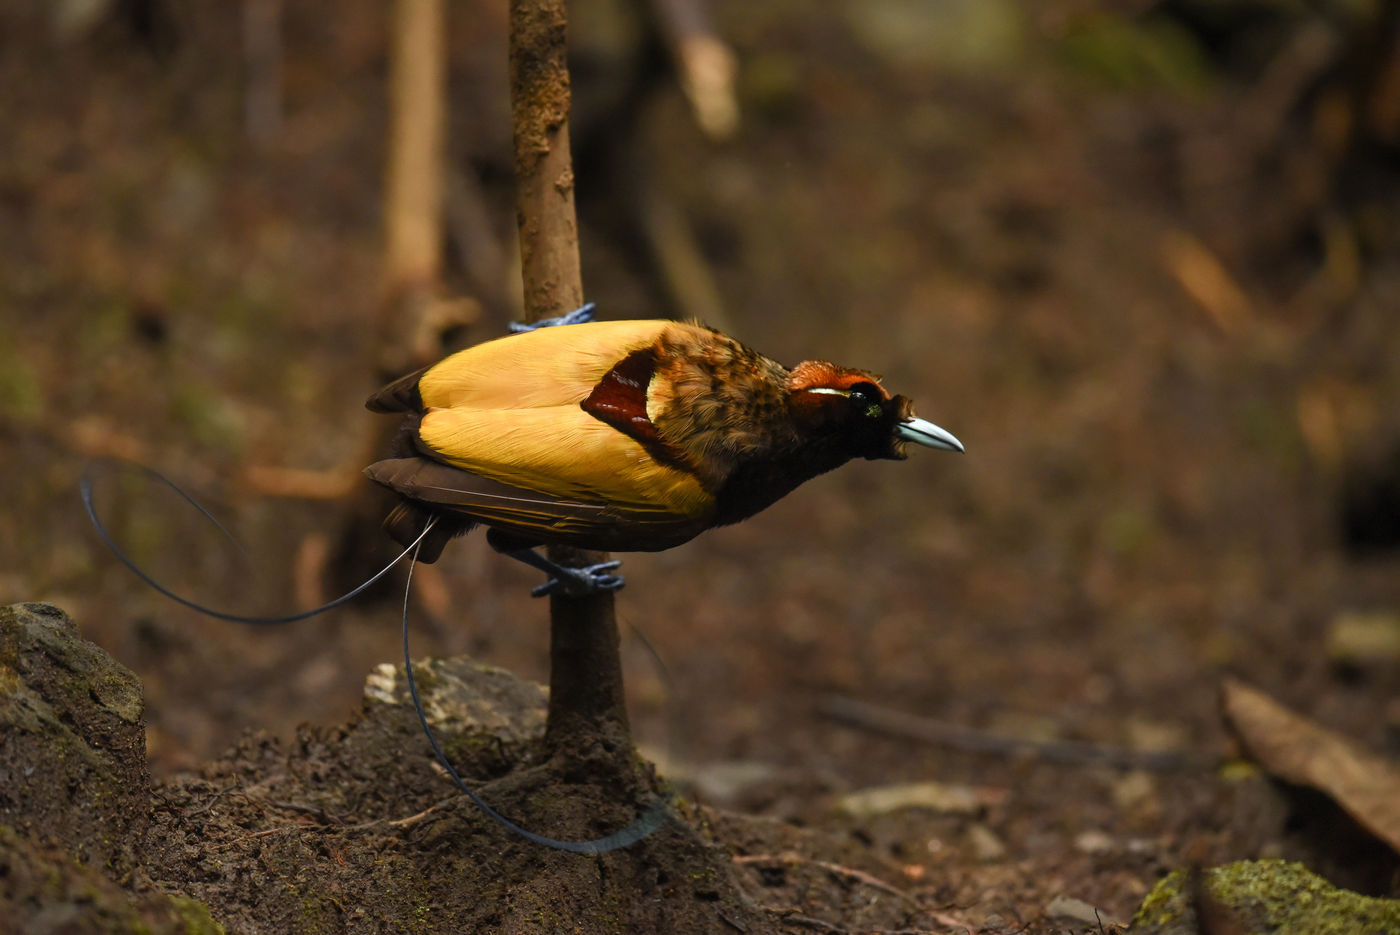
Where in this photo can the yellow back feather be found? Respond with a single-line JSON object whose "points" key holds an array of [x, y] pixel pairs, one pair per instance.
{"points": [[549, 367]]}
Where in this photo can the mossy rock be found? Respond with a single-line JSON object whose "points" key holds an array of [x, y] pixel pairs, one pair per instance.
{"points": [[44, 890], [72, 742], [1264, 896], [74, 789]]}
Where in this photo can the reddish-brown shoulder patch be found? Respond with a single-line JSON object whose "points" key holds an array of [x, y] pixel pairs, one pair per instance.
{"points": [[620, 401], [620, 398]]}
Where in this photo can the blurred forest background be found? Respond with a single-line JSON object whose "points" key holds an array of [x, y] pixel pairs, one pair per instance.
{"points": [[1142, 257]]}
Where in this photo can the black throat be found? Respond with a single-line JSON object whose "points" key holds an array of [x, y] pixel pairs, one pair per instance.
{"points": [[758, 483]]}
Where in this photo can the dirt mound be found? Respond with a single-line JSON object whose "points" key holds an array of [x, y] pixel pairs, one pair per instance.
{"points": [[354, 828]]}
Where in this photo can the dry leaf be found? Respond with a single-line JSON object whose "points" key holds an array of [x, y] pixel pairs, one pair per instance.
{"points": [[938, 797], [1297, 750], [1357, 638]]}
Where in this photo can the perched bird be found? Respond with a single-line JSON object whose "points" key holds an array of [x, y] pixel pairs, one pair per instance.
{"points": [[621, 436]]}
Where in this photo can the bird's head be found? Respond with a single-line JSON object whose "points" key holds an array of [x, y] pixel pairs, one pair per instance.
{"points": [[850, 408]]}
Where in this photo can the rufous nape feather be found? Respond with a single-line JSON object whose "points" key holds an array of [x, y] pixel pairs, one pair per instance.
{"points": [[621, 436]]}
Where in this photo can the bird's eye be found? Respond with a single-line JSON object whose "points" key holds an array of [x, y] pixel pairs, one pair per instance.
{"points": [[867, 397]]}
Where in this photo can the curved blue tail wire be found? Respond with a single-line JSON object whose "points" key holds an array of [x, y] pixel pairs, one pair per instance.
{"points": [[85, 486], [643, 825]]}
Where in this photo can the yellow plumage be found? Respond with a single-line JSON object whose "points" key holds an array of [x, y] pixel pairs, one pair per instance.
{"points": [[509, 410], [548, 367], [564, 452]]}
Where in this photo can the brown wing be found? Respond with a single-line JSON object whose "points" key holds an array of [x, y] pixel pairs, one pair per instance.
{"points": [[531, 515]]}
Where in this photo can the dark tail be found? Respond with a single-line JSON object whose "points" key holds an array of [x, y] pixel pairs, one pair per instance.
{"points": [[399, 396], [406, 522]]}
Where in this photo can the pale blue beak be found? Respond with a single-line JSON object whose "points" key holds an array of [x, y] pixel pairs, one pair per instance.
{"points": [[923, 432]]}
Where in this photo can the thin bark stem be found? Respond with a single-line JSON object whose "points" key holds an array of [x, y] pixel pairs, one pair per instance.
{"points": [[587, 713]]}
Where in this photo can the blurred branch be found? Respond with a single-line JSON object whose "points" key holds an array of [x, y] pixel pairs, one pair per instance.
{"points": [[416, 315], [96, 437], [1383, 105], [262, 56], [705, 63], [413, 197], [1206, 280], [882, 720], [474, 241], [681, 263], [1264, 111], [411, 316], [299, 483]]}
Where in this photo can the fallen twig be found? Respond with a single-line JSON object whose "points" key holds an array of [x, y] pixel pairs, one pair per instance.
{"points": [[875, 718], [405, 821], [330, 823], [796, 917], [860, 876], [209, 803], [795, 860], [299, 483], [326, 818]]}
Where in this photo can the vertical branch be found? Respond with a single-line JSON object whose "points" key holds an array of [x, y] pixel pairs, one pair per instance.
{"points": [[262, 56], [586, 704], [544, 174], [409, 318], [413, 199]]}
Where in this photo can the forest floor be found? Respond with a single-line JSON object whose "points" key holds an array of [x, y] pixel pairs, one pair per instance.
{"points": [[1158, 312]]}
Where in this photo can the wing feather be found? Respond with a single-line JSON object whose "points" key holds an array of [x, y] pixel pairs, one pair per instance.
{"points": [[565, 453], [507, 442], [529, 514], [548, 367]]}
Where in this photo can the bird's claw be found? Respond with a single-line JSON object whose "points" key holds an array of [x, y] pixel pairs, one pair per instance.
{"points": [[580, 582], [578, 316]]}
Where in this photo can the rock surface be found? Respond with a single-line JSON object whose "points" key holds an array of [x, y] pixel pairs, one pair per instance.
{"points": [[75, 794], [1277, 897]]}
